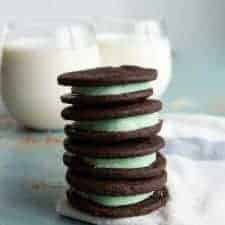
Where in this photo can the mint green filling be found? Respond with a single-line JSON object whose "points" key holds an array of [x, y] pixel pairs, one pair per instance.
{"points": [[112, 90], [121, 124], [122, 163], [116, 201]]}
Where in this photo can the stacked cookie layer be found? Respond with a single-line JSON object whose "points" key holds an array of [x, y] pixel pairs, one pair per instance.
{"points": [[112, 153]]}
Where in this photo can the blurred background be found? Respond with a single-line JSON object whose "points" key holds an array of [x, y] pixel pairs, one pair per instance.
{"points": [[195, 28], [191, 24], [32, 161]]}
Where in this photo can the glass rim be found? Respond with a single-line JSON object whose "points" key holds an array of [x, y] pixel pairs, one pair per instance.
{"points": [[14, 29], [44, 22], [84, 20], [127, 20], [147, 23]]}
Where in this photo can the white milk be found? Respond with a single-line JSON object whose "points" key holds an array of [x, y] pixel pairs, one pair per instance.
{"points": [[29, 80], [116, 49]]}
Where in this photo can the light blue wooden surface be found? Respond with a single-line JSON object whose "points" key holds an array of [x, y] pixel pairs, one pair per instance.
{"points": [[31, 176]]}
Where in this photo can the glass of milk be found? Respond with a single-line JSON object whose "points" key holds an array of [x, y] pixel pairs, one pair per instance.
{"points": [[137, 42], [34, 54]]}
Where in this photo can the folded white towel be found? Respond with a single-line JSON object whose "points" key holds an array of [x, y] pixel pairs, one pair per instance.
{"points": [[196, 170]]}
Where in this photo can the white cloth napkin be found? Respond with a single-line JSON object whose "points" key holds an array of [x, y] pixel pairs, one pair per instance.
{"points": [[196, 176]]}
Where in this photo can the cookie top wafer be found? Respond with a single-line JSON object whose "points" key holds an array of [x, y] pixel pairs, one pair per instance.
{"points": [[107, 76]]}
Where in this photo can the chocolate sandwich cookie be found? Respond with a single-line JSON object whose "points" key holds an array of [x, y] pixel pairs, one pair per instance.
{"points": [[118, 123], [115, 187], [113, 195], [135, 159], [118, 207], [108, 85], [131, 148], [124, 168]]}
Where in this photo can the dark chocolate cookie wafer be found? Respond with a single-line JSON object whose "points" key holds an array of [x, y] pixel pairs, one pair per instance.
{"points": [[156, 201], [74, 132], [78, 166], [115, 150], [80, 99], [115, 187], [107, 76], [78, 113]]}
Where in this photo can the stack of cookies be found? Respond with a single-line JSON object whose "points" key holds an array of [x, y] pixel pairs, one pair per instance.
{"points": [[112, 153]]}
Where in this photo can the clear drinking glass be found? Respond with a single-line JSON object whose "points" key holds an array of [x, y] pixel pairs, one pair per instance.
{"points": [[138, 42], [34, 54]]}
